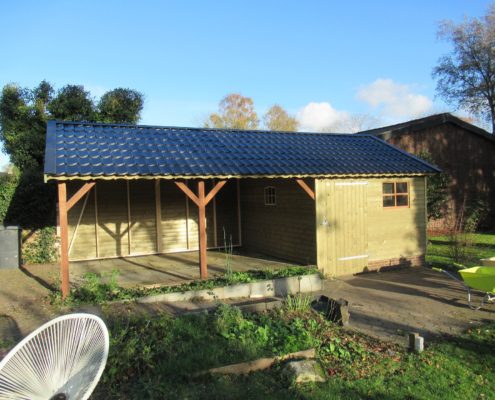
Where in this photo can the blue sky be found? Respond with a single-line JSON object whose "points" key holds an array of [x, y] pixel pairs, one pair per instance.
{"points": [[321, 60]]}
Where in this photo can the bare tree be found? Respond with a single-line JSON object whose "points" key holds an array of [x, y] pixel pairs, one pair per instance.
{"points": [[354, 123], [466, 76]]}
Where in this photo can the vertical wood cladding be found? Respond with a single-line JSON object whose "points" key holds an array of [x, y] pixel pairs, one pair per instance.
{"points": [[84, 243], [143, 216], [113, 225], [285, 230], [107, 221], [356, 216]]}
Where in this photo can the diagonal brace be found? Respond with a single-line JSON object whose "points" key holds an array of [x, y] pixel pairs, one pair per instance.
{"points": [[306, 188], [79, 194]]}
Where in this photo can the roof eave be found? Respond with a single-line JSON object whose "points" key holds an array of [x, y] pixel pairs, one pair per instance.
{"points": [[49, 177]]}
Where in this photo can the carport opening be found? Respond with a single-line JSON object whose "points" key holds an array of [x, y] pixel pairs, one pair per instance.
{"points": [[125, 219]]}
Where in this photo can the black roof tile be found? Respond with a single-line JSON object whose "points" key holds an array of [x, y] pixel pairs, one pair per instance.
{"points": [[78, 149]]}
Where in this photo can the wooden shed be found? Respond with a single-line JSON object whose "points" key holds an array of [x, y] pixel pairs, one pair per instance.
{"points": [[346, 203]]}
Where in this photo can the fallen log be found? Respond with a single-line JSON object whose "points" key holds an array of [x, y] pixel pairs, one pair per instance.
{"points": [[258, 365]]}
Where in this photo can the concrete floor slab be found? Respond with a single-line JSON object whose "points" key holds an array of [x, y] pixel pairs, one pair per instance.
{"points": [[390, 304]]}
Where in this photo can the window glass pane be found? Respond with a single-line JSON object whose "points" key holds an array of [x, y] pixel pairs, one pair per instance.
{"points": [[270, 196], [388, 201], [388, 188], [401, 187], [403, 200]]}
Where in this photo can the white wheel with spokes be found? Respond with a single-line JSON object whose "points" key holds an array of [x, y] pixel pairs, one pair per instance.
{"points": [[63, 359]]}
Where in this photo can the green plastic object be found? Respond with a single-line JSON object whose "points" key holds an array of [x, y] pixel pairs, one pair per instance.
{"points": [[479, 278]]}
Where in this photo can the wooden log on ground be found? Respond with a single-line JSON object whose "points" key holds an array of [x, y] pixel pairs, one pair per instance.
{"points": [[258, 365]]}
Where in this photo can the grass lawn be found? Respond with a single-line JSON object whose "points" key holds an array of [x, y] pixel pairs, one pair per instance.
{"points": [[157, 358], [439, 253]]}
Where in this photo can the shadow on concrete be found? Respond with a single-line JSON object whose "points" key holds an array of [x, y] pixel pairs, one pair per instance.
{"points": [[38, 279]]}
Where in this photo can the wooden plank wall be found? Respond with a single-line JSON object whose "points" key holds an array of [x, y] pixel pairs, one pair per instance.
{"points": [[286, 230], [174, 221], [352, 235], [399, 232], [85, 245], [103, 231], [227, 214], [113, 219], [142, 217], [391, 233]]}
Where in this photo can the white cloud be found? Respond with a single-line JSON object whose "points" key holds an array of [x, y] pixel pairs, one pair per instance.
{"points": [[96, 90], [394, 100], [319, 116]]}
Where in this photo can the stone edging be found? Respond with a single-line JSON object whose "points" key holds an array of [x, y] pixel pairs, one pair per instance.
{"points": [[280, 287]]}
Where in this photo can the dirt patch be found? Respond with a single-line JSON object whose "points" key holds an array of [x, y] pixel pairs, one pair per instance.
{"points": [[385, 305], [24, 300], [390, 304]]}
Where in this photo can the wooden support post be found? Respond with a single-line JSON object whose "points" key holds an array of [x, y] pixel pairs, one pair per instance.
{"points": [[306, 188], [202, 230], [158, 205], [64, 239], [201, 200]]}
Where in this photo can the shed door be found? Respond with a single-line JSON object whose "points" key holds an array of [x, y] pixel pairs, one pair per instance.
{"points": [[351, 233], [342, 236]]}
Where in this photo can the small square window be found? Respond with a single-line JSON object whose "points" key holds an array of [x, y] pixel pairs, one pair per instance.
{"points": [[395, 194], [270, 196]]}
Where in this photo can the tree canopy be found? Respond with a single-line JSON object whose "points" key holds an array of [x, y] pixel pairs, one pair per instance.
{"points": [[235, 112], [24, 113], [72, 103], [122, 105], [277, 119], [466, 76]]}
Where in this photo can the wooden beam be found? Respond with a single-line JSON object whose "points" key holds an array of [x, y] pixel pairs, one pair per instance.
{"points": [[96, 223], [201, 201], [239, 227], [215, 228], [306, 188], [129, 237], [158, 205], [182, 186], [203, 264], [214, 191], [79, 194], [64, 239], [187, 222]]}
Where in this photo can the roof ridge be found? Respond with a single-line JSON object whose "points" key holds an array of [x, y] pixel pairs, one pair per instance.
{"points": [[190, 128], [431, 120]]}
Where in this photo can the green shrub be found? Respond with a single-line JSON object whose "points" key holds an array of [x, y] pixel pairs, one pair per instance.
{"points": [[33, 204], [40, 248], [263, 331], [8, 185]]}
